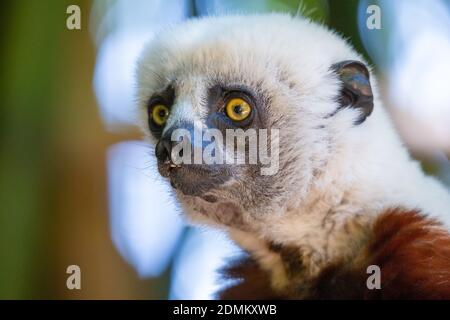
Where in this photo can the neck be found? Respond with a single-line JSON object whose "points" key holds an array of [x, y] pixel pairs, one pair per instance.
{"points": [[297, 247], [334, 222]]}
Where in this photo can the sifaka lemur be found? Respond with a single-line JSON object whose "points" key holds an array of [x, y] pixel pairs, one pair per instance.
{"points": [[346, 195]]}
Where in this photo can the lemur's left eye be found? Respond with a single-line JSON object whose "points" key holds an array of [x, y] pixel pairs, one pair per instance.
{"points": [[160, 113], [237, 109]]}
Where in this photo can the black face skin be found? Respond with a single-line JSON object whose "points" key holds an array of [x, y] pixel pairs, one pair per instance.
{"points": [[197, 179], [191, 179]]}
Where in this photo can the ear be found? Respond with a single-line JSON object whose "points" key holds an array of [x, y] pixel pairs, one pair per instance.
{"points": [[356, 91]]}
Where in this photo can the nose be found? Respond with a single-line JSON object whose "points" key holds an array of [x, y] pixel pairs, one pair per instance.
{"points": [[163, 149]]}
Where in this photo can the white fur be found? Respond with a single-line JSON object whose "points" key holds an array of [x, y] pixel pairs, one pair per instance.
{"points": [[355, 172]]}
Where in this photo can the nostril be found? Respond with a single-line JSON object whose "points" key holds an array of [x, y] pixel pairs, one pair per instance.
{"points": [[162, 150]]}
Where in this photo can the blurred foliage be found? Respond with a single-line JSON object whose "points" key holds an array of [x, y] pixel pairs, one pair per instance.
{"points": [[344, 20], [29, 57], [376, 42]]}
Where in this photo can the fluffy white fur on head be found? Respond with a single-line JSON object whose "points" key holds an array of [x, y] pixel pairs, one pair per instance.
{"points": [[286, 60], [331, 170]]}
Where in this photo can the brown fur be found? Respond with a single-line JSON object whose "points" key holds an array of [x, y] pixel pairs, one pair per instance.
{"points": [[253, 282], [412, 251]]}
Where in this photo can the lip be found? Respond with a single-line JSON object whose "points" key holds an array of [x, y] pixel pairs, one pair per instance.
{"points": [[193, 179], [166, 168]]}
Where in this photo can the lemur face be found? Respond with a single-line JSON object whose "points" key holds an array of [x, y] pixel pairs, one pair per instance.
{"points": [[283, 81]]}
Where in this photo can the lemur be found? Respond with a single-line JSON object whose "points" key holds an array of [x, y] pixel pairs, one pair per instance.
{"points": [[347, 194]]}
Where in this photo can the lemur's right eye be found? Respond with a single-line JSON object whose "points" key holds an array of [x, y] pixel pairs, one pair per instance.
{"points": [[159, 114]]}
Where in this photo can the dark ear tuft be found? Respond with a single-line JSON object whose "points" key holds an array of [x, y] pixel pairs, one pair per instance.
{"points": [[356, 91]]}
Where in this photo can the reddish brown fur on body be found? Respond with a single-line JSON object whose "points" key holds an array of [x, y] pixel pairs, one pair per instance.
{"points": [[412, 251], [253, 282]]}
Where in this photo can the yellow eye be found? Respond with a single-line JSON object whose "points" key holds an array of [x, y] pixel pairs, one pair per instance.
{"points": [[237, 109], [160, 113]]}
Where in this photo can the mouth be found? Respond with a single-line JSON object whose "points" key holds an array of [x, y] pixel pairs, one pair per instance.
{"points": [[193, 179]]}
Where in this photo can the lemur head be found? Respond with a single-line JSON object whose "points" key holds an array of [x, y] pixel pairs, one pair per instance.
{"points": [[298, 80]]}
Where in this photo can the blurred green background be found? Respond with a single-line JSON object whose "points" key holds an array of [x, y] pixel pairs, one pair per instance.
{"points": [[54, 142]]}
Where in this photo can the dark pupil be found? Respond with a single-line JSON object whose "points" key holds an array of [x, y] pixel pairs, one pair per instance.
{"points": [[162, 113], [237, 109]]}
